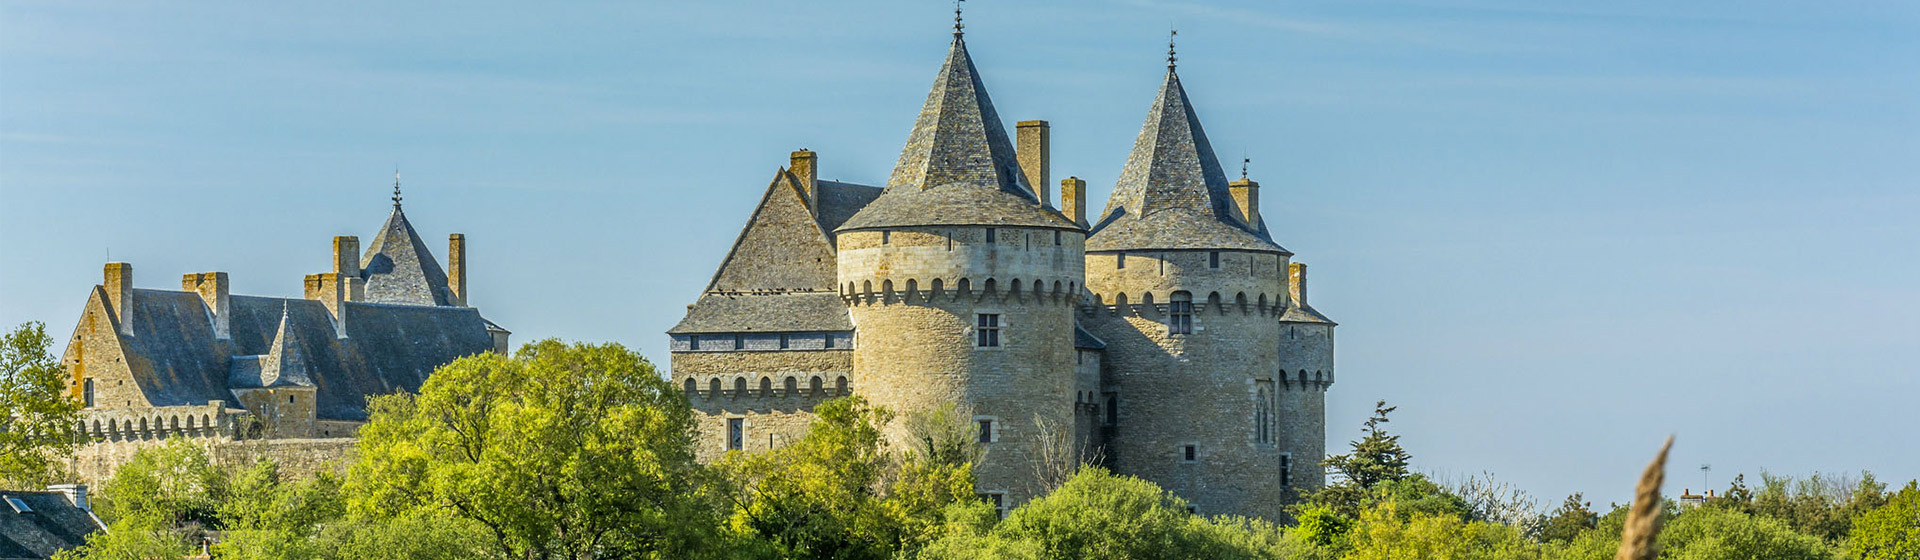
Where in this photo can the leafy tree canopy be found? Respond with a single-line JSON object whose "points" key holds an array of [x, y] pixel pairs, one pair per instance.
{"points": [[37, 418]]}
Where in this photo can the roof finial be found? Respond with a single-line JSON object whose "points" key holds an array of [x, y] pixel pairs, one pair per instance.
{"points": [[1243, 166], [1171, 59], [958, 25], [396, 188]]}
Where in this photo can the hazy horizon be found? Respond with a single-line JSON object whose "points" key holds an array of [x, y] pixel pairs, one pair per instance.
{"points": [[1552, 233]]}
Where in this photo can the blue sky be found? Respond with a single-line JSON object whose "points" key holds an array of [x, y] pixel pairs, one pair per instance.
{"points": [[1553, 232]]}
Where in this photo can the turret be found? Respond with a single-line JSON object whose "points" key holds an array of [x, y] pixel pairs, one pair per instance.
{"points": [[962, 281]]}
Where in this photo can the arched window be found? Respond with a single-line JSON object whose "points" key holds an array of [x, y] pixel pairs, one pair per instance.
{"points": [[766, 386], [792, 386], [817, 386], [713, 388], [740, 387], [1180, 314], [840, 386]]}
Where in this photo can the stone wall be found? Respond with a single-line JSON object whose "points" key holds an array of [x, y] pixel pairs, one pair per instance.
{"points": [[772, 391], [96, 462]]}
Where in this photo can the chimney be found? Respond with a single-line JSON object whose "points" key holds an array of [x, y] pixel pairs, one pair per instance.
{"points": [[214, 289], [346, 255], [457, 268], [120, 295], [806, 165], [1073, 199], [1297, 283], [334, 290], [1246, 194], [1031, 147], [76, 494]]}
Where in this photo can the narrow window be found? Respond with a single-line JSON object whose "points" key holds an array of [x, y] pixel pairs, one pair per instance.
{"points": [[693, 342], [988, 333], [88, 394], [739, 341], [1120, 260], [1113, 409], [1188, 453], [829, 343], [998, 500], [736, 433], [886, 236], [991, 235], [289, 399], [1213, 259], [986, 431], [1180, 314], [1286, 469], [1056, 238], [784, 343]]}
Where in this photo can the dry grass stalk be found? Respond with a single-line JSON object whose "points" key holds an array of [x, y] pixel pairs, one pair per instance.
{"points": [[1638, 539]]}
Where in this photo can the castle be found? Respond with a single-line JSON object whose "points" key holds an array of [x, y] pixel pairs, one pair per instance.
{"points": [[1170, 338], [204, 363]]}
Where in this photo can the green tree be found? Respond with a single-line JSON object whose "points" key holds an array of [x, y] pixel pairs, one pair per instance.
{"points": [[158, 505], [1890, 532], [1376, 460], [1569, 520], [1821, 504], [1383, 533], [839, 492], [562, 451], [1718, 534], [37, 418], [267, 517]]}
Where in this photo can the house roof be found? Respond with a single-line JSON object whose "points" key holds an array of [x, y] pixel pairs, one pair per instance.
{"points": [[1304, 314], [1172, 193], [765, 312], [399, 268], [958, 167], [49, 524], [176, 360]]}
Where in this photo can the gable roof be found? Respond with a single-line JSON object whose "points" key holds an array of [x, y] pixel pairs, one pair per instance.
{"points": [[1172, 193], [284, 365], [789, 312], [958, 167], [399, 268], [51, 524], [782, 247], [175, 360]]}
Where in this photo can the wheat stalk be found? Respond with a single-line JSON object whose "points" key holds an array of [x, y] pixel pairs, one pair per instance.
{"points": [[1637, 539]]}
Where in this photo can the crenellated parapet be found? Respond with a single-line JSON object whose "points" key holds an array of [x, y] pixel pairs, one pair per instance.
{"points": [[212, 420], [935, 264], [1215, 281], [941, 290], [762, 391]]}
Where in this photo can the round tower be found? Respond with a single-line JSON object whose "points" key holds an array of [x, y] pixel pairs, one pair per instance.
{"points": [[961, 284], [1188, 289]]}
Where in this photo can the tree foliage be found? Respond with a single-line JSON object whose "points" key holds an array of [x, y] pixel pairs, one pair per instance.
{"points": [[562, 451], [1890, 532], [37, 418]]}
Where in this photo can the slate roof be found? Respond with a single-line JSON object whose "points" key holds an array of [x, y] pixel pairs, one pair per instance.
{"points": [[399, 268], [840, 201], [176, 361], [51, 525], [788, 312], [1085, 340], [1304, 314], [1172, 193], [285, 365], [958, 167]]}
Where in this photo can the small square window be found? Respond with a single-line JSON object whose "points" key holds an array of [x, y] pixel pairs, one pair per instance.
{"points": [[991, 235], [693, 342], [1189, 454], [998, 500], [1192, 509], [987, 333], [986, 431]]}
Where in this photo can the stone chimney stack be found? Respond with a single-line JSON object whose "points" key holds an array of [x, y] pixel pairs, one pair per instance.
{"points": [[214, 289], [346, 255], [76, 494], [334, 290], [1073, 199], [805, 165], [1032, 147], [1297, 283], [119, 286], [457, 268], [1246, 194]]}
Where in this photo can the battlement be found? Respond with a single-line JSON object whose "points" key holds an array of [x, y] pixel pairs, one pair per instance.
{"points": [[963, 289], [731, 391], [1148, 304], [211, 420], [924, 264]]}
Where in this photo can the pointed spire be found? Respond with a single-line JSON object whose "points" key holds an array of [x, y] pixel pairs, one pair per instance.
{"points": [[286, 363], [1173, 169], [959, 26], [958, 137], [399, 268]]}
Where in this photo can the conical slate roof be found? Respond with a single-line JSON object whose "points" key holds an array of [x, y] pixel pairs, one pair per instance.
{"points": [[284, 364], [1172, 193], [958, 168], [399, 268]]}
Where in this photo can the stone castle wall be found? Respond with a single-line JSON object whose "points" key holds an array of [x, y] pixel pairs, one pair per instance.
{"points": [[772, 391], [95, 463]]}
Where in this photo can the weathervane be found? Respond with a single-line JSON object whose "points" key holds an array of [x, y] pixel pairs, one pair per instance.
{"points": [[1171, 59], [957, 24], [1243, 166], [396, 188]]}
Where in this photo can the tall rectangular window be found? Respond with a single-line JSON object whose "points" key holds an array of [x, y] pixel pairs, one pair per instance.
{"points": [[1113, 409], [998, 500], [1180, 314], [87, 396], [991, 237], [986, 431], [1120, 260], [1056, 238], [829, 343], [693, 342], [1213, 259], [886, 237], [1286, 469], [736, 433], [784, 343], [1189, 454], [739, 341], [987, 333]]}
